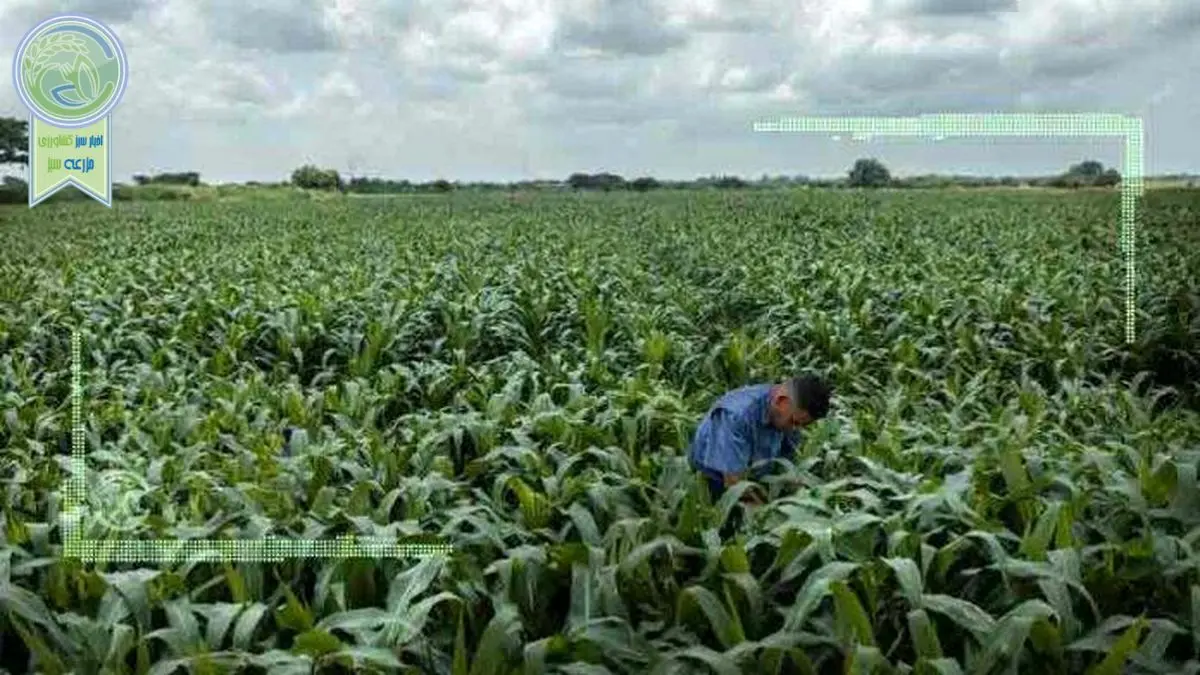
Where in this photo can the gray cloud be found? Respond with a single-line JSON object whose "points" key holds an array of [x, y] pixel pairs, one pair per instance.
{"points": [[949, 80], [276, 25], [591, 79], [1083, 46], [623, 27], [1070, 57], [956, 7], [1069, 63], [1179, 20], [106, 11]]}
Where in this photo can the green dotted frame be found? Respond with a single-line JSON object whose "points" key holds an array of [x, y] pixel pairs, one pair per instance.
{"points": [[1037, 125], [166, 551]]}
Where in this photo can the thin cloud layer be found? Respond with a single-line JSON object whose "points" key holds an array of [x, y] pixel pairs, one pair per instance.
{"points": [[621, 28], [272, 25], [951, 7], [510, 89]]}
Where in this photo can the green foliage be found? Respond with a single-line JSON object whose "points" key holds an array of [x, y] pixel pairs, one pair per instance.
{"points": [[14, 141], [601, 181], [644, 184], [365, 185], [190, 178], [380, 186], [1002, 487], [730, 183], [1089, 173], [310, 177], [13, 190], [580, 181], [869, 173]]}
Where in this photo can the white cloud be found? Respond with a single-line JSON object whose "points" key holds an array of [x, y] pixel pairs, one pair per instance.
{"points": [[509, 88]]}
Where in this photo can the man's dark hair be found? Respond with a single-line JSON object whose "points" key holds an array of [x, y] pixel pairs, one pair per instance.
{"points": [[812, 394]]}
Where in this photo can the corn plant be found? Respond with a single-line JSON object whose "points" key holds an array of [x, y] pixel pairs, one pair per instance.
{"points": [[1003, 486]]}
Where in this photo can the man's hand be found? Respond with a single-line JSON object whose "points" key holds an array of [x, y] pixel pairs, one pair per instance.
{"points": [[750, 497]]}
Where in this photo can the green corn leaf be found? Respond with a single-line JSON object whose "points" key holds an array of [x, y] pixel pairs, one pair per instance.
{"points": [[909, 578], [1035, 544], [727, 629], [316, 643], [459, 665], [924, 635], [1124, 647], [701, 656], [963, 613], [293, 615], [815, 589], [854, 625], [938, 667], [250, 619]]}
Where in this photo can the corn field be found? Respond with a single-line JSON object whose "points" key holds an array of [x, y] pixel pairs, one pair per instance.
{"points": [[1003, 486]]}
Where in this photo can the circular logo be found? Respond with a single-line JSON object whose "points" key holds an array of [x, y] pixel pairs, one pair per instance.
{"points": [[70, 71]]}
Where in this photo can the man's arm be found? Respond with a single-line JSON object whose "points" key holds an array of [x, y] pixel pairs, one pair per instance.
{"points": [[731, 451], [732, 479], [791, 441]]}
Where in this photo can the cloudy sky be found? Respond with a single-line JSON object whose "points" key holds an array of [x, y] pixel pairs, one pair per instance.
{"points": [[517, 89]]}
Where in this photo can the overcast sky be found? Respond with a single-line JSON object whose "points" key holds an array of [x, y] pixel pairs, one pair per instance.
{"points": [[515, 89]]}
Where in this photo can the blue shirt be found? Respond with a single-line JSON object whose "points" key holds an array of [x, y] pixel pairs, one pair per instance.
{"points": [[736, 434]]}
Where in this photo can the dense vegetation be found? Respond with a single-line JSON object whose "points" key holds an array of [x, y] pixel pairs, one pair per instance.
{"points": [[191, 178], [1003, 487]]}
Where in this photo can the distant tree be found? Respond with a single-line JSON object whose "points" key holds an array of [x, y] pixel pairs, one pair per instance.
{"points": [[13, 190], [14, 141], [1088, 173], [310, 177], [869, 173], [644, 184], [1110, 178], [364, 185], [183, 178], [14, 149], [1089, 169], [730, 183], [441, 185], [600, 181], [609, 181]]}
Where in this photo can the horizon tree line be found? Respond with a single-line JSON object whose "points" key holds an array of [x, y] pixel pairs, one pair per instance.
{"points": [[865, 173]]}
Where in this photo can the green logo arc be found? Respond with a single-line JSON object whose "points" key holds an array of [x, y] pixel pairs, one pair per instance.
{"points": [[70, 71]]}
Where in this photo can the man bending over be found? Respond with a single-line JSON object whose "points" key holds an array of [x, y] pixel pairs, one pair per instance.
{"points": [[752, 425]]}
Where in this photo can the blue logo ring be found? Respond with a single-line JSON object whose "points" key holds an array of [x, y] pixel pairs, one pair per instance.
{"points": [[107, 37]]}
